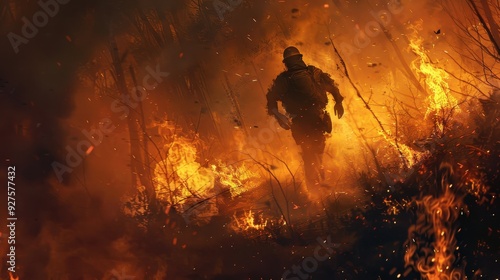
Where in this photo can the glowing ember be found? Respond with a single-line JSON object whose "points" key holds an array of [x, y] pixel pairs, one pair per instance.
{"points": [[89, 150], [478, 189], [393, 206]]}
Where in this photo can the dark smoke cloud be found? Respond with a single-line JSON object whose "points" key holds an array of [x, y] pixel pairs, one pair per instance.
{"points": [[37, 88]]}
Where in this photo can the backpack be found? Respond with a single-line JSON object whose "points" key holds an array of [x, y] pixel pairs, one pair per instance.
{"points": [[305, 90], [305, 84]]}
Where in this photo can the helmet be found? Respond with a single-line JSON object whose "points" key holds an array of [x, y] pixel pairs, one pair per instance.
{"points": [[289, 52]]}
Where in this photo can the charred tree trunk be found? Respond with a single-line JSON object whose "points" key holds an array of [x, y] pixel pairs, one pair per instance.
{"points": [[136, 157], [146, 179], [122, 90]]}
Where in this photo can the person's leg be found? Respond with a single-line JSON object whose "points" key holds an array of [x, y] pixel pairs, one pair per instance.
{"points": [[311, 163], [308, 133], [312, 155]]}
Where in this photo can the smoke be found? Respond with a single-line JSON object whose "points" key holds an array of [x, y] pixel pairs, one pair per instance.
{"points": [[38, 94]]}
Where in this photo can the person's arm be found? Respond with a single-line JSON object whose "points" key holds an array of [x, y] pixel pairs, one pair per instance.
{"points": [[329, 85], [272, 99], [273, 96]]}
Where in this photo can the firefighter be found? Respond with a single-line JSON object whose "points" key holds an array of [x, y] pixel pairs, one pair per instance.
{"points": [[302, 90]]}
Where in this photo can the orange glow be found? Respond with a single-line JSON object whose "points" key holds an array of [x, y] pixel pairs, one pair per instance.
{"points": [[12, 277], [184, 177]]}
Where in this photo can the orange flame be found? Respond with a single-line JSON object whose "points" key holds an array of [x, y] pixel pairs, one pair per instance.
{"points": [[440, 103], [249, 221], [12, 277], [252, 224], [239, 179], [181, 180], [431, 241], [409, 156], [179, 176]]}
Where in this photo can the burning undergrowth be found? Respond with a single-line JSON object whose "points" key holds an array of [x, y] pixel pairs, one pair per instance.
{"points": [[429, 222], [433, 224]]}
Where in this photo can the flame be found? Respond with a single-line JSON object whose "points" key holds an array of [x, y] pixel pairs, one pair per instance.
{"points": [[254, 225], [431, 241], [12, 277], [239, 179], [249, 221], [408, 155], [440, 103], [179, 176], [182, 181]]}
